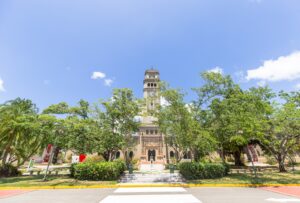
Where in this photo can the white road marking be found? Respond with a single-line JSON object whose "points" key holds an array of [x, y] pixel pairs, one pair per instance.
{"points": [[149, 189], [181, 198], [282, 200]]}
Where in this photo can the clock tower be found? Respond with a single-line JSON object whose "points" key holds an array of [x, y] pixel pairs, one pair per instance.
{"points": [[151, 89]]}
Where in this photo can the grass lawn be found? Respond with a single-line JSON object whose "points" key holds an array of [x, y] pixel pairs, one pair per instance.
{"points": [[263, 178], [53, 181], [60, 181]]}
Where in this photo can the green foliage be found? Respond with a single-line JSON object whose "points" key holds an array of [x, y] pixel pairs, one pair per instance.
{"points": [[182, 131], [198, 170], [117, 123], [9, 170], [98, 171], [22, 131], [233, 116]]}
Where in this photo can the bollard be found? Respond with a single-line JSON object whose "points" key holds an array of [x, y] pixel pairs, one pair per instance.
{"points": [[172, 168], [130, 168]]}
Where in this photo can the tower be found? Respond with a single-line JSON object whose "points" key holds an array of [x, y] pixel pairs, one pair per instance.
{"points": [[151, 89]]}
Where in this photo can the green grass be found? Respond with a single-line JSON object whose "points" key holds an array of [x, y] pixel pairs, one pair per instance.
{"points": [[53, 181], [263, 178]]}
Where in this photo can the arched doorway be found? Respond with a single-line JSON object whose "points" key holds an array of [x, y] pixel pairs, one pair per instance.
{"points": [[131, 154], [118, 155], [172, 155], [151, 155]]}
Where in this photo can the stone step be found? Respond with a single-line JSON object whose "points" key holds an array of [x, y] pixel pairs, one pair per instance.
{"points": [[152, 178]]}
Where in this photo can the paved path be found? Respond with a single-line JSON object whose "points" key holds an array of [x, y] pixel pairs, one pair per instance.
{"points": [[8, 193], [153, 195], [287, 190]]}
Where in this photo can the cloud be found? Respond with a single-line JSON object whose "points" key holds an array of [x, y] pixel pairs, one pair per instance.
{"points": [[216, 69], [98, 75], [2, 89], [282, 68], [297, 86], [108, 82]]}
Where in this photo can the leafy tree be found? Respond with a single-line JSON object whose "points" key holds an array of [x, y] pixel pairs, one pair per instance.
{"points": [[234, 116], [182, 132], [22, 131], [117, 123], [281, 138], [76, 131]]}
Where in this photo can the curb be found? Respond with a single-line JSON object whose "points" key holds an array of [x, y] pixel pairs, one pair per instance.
{"points": [[186, 185]]}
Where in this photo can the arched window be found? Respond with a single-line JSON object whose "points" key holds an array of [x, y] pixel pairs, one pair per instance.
{"points": [[154, 84], [118, 155], [172, 155], [148, 84], [131, 154]]}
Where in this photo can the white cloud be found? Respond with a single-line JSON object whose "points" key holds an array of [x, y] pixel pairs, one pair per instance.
{"points": [[108, 82], [297, 86], [98, 75], [216, 69], [282, 68], [2, 89]]}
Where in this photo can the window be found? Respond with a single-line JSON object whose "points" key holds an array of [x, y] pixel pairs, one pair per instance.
{"points": [[131, 154], [151, 132], [147, 132], [155, 132], [172, 154], [118, 155], [151, 84], [154, 84], [148, 84]]}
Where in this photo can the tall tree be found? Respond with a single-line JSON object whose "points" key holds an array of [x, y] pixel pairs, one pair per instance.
{"points": [[118, 123], [233, 115], [282, 135], [22, 131]]}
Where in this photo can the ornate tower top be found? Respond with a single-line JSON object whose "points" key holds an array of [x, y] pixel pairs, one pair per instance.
{"points": [[151, 88]]}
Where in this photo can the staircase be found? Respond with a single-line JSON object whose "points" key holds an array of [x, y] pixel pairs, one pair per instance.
{"points": [[152, 173]]}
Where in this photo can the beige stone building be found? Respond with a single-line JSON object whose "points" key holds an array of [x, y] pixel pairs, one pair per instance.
{"points": [[150, 145]]}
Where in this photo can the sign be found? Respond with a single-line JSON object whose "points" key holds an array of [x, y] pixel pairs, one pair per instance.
{"points": [[75, 159]]}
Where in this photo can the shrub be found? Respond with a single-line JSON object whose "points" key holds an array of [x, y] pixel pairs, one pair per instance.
{"points": [[198, 170], [9, 171], [270, 160], [94, 158], [98, 171]]}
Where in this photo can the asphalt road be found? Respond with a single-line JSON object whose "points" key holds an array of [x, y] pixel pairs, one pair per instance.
{"points": [[147, 195]]}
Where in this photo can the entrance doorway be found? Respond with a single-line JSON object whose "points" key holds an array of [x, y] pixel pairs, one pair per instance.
{"points": [[151, 155]]}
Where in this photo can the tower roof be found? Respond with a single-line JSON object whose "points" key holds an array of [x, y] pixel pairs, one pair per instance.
{"points": [[151, 71]]}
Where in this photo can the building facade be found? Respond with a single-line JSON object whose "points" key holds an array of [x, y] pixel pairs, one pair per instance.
{"points": [[150, 145]]}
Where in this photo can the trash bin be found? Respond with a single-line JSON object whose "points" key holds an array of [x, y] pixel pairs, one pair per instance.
{"points": [[172, 168]]}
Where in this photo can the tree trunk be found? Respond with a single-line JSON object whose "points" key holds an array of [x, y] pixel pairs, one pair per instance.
{"points": [[281, 164], [237, 158]]}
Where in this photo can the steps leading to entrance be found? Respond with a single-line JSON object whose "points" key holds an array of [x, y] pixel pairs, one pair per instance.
{"points": [[151, 167], [163, 177]]}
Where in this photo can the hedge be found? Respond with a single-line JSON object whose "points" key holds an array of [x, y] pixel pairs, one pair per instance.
{"points": [[97, 171], [198, 170]]}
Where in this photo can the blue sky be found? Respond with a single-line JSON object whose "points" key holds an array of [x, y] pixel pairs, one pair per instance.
{"points": [[50, 49]]}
